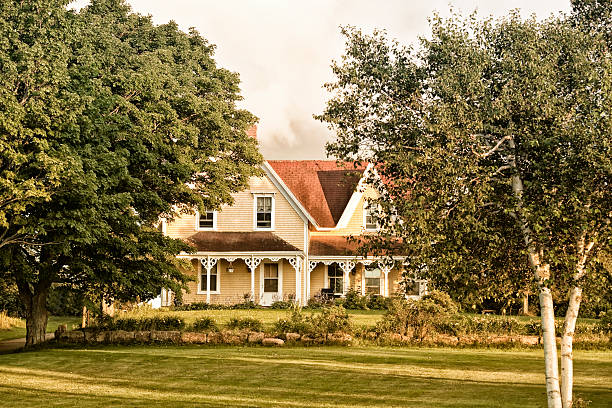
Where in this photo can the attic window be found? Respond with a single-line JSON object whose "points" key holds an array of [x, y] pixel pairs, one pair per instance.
{"points": [[369, 221]]}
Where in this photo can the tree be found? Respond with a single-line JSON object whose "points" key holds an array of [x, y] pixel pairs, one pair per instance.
{"points": [[143, 125], [493, 144]]}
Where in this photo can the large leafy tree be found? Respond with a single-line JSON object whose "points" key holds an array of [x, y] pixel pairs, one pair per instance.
{"points": [[112, 124], [493, 142]]}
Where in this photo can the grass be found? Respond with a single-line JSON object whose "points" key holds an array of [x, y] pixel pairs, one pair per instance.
{"points": [[19, 330], [291, 377]]}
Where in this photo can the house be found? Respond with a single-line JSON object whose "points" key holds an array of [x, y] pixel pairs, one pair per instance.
{"points": [[285, 238]]}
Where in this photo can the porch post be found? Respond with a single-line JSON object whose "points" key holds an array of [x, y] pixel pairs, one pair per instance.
{"points": [[208, 263], [252, 263], [310, 268], [208, 266], [346, 267], [252, 280], [386, 290], [296, 263]]}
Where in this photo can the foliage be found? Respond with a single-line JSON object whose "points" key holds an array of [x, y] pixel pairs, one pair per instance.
{"points": [[9, 301], [167, 322], [377, 302], [413, 318], [442, 299], [7, 322], [298, 322], [605, 322], [331, 319], [245, 323], [282, 304], [112, 123], [354, 301], [205, 324], [63, 301]]}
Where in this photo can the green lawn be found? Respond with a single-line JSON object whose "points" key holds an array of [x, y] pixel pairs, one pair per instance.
{"points": [[291, 377], [54, 321]]}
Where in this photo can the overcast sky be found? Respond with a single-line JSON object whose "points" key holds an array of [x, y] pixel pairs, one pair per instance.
{"points": [[282, 50]]}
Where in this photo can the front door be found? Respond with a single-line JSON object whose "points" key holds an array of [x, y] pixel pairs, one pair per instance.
{"points": [[271, 278]]}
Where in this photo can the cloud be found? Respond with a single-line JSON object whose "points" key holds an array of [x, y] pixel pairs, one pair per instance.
{"points": [[283, 51]]}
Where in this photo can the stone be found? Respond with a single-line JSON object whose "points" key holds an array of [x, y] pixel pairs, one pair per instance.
{"points": [[292, 336], [255, 337], [340, 338], [95, 336], [271, 341], [530, 340], [121, 336], [214, 338], [75, 336], [231, 338], [166, 336], [142, 336], [193, 338]]}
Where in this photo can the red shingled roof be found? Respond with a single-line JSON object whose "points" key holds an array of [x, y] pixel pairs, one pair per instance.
{"points": [[323, 187]]}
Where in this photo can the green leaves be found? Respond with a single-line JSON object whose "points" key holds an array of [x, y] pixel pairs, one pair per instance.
{"points": [[107, 124], [453, 125]]}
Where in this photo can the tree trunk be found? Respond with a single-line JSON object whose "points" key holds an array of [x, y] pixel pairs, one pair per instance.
{"points": [[526, 303], [542, 274], [569, 326], [567, 357], [549, 341], [36, 318]]}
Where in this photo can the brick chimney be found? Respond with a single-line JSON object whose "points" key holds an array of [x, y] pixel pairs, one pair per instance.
{"points": [[252, 132]]}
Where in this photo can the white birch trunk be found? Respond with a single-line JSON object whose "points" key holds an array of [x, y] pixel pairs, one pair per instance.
{"points": [[567, 345], [569, 326], [542, 274]]}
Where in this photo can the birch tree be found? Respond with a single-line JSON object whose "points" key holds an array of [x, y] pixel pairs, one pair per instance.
{"points": [[494, 134]]}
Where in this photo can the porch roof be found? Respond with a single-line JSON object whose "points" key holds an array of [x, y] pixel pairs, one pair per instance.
{"points": [[257, 241], [332, 245]]}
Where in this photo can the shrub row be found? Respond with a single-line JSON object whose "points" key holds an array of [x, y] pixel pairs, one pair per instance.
{"points": [[160, 323], [330, 320]]}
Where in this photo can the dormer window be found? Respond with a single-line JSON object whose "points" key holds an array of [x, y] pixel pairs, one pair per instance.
{"points": [[264, 212], [206, 220], [369, 221]]}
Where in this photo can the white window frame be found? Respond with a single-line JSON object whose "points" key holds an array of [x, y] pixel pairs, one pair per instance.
{"points": [[365, 225], [381, 282], [197, 222], [202, 271], [273, 216]]}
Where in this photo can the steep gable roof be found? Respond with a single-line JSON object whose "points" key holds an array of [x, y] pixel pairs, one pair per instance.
{"points": [[322, 187]]}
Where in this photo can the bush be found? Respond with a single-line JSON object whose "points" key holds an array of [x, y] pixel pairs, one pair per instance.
{"points": [[245, 323], [377, 302], [298, 322], [282, 304], [442, 299], [354, 301], [205, 324], [604, 325], [333, 319], [162, 323], [413, 318]]}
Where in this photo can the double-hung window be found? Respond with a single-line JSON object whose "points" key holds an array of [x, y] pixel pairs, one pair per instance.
{"points": [[206, 220], [369, 221], [335, 279], [214, 281], [264, 209], [372, 281]]}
